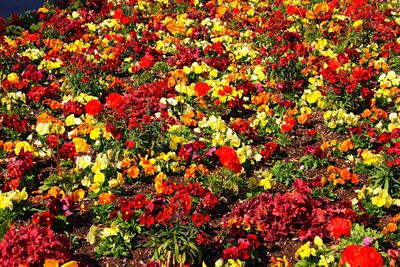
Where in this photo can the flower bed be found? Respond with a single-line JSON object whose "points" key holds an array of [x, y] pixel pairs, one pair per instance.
{"points": [[201, 133]]}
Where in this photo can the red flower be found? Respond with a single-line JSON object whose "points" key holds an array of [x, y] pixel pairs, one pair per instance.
{"points": [[93, 107], [52, 141], [140, 201], [339, 226], [114, 100], [370, 257], [201, 89], [351, 255], [199, 219], [146, 62], [45, 218], [357, 256], [229, 159], [231, 253]]}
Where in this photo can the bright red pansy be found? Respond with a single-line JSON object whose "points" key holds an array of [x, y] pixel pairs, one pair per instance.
{"points": [[229, 159], [357, 256], [114, 100], [93, 107], [146, 62], [201, 89]]}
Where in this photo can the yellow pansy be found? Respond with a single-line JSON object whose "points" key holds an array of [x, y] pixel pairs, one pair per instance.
{"points": [[82, 162], [70, 120], [22, 144], [43, 128], [18, 196], [110, 231], [55, 263], [258, 70], [266, 182], [78, 194], [357, 23], [99, 178], [95, 188], [5, 202], [235, 263], [371, 158], [312, 96], [113, 183], [305, 251], [13, 77], [95, 133], [318, 242], [101, 163], [382, 198]]}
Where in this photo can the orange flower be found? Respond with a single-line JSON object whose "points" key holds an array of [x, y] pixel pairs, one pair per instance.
{"points": [[55, 192], [78, 194], [106, 198], [158, 180], [133, 172], [188, 120], [321, 7], [303, 118], [345, 173], [346, 145], [7, 146], [126, 163], [391, 227]]}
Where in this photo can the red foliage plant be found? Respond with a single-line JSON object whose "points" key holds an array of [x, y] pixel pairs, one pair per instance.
{"points": [[31, 245], [275, 217]]}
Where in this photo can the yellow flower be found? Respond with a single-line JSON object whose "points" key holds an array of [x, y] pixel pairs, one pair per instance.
{"points": [[158, 182], [371, 158], [80, 145], [357, 23], [326, 261], [5, 202], [101, 163], [95, 133], [305, 251], [267, 181], [113, 183], [22, 144], [111, 231], [258, 70], [313, 97], [99, 178], [82, 162], [382, 199], [95, 188], [318, 242], [43, 128], [17, 195], [54, 263], [71, 120], [13, 77], [234, 263], [78, 194]]}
